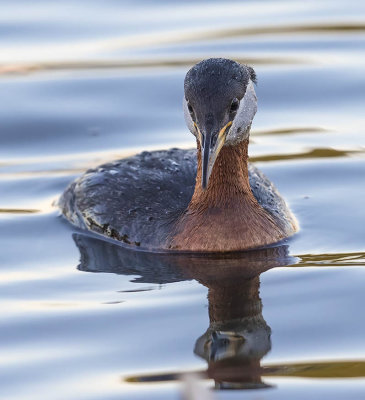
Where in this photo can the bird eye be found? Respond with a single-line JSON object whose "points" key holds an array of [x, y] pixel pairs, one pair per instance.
{"points": [[190, 108], [234, 105]]}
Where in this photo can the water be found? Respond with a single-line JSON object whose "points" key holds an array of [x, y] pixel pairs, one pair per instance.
{"points": [[85, 85]]}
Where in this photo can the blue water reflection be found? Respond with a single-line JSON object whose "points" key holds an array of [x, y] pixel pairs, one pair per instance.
{"points": [[82, 85]]}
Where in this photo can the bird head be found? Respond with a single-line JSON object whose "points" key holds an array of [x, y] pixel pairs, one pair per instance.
{"points": [[219, 106]]}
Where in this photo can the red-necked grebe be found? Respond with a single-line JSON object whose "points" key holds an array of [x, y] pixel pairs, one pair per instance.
{"points": [[207, 200]]}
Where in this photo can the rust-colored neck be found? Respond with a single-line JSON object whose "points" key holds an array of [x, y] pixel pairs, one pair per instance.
{"points": [[229, 178], [226, 216]]}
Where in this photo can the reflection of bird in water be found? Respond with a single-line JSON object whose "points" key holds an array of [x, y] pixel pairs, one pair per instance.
{"points": [[149, 201], [238, 336], [103, 255]]}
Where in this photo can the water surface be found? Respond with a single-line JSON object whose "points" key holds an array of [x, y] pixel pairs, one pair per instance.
{"points": [[80, 318]]}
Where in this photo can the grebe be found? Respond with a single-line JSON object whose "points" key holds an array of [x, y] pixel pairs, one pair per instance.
{"points": [[207, 200]]}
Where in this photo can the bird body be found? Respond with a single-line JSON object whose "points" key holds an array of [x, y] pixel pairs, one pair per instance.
{"points": [[140, 200], [207, 200]]}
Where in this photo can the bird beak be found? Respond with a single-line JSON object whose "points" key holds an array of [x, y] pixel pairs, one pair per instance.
{"points": [[210, 152]]}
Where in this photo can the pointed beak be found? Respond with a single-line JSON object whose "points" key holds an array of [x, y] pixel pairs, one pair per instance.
{"points": [[211, 144]]}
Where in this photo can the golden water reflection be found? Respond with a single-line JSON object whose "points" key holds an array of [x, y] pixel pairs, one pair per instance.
{"points": [[70, 51]]}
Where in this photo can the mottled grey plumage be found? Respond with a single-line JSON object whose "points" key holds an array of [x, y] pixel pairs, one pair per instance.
{"points": [[137, 200]]}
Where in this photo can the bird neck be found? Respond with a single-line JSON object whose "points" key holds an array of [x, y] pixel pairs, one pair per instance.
{"points": [[226, 215], [228, 180]]}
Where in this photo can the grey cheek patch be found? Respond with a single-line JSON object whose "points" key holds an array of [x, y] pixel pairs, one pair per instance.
{"points": [[245, 114], [188, 120]]}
